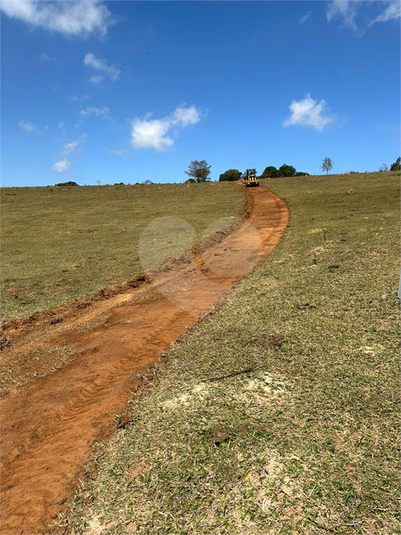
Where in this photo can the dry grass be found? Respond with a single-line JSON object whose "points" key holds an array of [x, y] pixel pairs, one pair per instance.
{"points": [[305, 441], [61, 243]]}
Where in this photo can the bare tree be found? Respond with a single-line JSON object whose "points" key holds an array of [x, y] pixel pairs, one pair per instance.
{"points": [[327, 165]]}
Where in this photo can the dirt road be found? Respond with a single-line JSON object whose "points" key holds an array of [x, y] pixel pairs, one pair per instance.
{"points": [[68, 372]]}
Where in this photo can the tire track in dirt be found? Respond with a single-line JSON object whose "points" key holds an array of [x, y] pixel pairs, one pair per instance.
{"points": [[51, 420]]}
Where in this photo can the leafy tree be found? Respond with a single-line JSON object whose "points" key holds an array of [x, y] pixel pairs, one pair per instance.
{"points": [[396, 166], [230, 175], [327, 165], [286, 170], [70, 183], [200, 171], [270, 172]]}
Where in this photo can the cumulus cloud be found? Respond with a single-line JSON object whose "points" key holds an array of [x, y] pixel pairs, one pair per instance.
{"points": [[98, 112], [309, 112], [306, 17], [348, 11], [185, 116], [90, 60], [27, 126], [61, 166], [158, 133], [73, 17]]}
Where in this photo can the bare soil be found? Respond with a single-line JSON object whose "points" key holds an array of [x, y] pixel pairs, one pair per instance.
{"points": [[68, 372]]}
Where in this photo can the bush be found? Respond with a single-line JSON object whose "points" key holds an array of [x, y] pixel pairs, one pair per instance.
{"points": [[67, 184], [396, 166], [231, 175], [270, 172], [286, 170]]}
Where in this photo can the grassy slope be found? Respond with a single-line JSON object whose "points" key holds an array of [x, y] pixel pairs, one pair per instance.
{"points": [[62, 243], [304, 443]]}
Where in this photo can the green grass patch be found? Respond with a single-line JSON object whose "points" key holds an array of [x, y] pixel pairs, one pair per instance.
{"points": [[304, 438], [61, 243]]}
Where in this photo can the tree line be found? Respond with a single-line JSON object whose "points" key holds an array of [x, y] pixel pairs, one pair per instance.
{"points": [[269, 172], [199, 171]]}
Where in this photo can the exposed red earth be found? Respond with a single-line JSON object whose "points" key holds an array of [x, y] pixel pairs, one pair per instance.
{"points": [[69, 371]]}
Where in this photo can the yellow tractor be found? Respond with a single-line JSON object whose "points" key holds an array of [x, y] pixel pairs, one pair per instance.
{"points": [[250, 178]]}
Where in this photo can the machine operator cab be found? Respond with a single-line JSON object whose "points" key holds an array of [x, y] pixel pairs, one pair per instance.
{"points": [[250, 178]]}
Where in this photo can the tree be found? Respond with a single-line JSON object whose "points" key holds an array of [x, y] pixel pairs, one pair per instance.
{"points": [[70, 183], [200, 171], [301, 173], [327, 165], [383, 168], [270, 172], [396, 166], [286, 170], [231, 175]]}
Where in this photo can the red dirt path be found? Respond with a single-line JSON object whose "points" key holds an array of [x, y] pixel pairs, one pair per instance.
{"points": [[67, 372]]}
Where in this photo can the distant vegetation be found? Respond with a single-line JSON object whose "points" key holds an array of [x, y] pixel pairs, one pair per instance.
{"points": [[67, 184], [230, 175], [396, 166], [327, 165], [284, 171], [269, 172], [199, 171]]}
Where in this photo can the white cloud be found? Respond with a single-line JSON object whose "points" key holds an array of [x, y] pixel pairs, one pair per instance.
{"points": [[27, 126], [62, 127], [186, 116], [116, 152], [348, 11], [69, 148], [96, 79], [309, 112], [80, 99], [73, 17], [306, 17], [147, 134], [90, 60], [392, 11], [157, 133], [44, 57], [98, 112], [61, 166], [345, 9]]}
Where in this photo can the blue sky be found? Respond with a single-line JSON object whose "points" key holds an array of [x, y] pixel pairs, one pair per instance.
{"points": [[127, 91]]}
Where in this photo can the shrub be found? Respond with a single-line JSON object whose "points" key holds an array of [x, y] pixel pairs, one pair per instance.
{"points": [[231, 175]]}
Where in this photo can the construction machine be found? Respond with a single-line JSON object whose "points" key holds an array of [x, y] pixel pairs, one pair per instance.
{"points": [[250, 178]]}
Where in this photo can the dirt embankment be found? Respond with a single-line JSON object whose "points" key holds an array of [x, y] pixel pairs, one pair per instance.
{"points": [[68, 372]]}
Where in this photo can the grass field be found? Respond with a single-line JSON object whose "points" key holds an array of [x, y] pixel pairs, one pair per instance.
{"points": [[305, 441], [61, 243]]}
